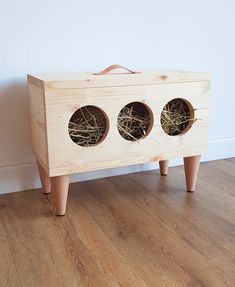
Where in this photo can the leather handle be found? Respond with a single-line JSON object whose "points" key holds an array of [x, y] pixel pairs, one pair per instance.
{"points": [[114, 67]]}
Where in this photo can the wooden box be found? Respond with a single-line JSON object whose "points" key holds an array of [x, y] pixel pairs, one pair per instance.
{"points": [[54, 98]]}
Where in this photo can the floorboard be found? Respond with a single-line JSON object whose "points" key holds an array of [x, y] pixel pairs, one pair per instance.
{"points": [[137, 230]]}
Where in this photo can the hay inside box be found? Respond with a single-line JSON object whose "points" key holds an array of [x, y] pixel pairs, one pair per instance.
{"points": [[83, 122]]}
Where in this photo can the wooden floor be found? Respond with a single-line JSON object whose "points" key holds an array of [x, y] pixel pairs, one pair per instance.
{"points": [[132, 230]]}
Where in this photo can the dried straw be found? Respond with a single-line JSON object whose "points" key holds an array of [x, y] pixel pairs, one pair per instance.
{"points": [[87, 126], [176, 116], [133, 121]]}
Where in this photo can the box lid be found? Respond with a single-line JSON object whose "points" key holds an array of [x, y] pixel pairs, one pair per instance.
{"points": [[95, 80]]}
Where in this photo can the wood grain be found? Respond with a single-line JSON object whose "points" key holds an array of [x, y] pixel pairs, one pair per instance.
{"points": [[38, 124], [89, 80], [8, 271], [65, 157], [134, 230]]}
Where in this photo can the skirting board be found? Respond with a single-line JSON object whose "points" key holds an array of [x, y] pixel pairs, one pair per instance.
{"points": [[25, 177]]}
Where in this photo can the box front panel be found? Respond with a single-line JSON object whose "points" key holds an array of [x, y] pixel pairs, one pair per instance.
{"points": [[66, 157]]}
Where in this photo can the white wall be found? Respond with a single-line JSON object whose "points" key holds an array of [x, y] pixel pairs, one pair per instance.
{"points": [[83, 35]]}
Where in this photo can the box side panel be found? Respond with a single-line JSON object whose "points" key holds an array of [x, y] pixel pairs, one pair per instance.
{"points": [[66, 157], [38, 125]]}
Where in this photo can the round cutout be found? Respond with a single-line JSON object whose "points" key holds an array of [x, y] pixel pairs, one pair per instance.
{"points": [[135, 121], [88, 126], [177, 117]]}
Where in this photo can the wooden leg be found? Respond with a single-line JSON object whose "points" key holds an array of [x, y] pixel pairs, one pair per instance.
{"points": [[163, 164], [191, 167], [60, 186], [45, 179]]}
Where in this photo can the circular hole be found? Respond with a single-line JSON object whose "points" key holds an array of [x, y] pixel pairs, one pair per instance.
{"points": [[88, 126], [135, 121], [177, 117]]}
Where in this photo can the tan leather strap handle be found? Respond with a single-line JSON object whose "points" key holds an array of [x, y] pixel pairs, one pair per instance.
{"points": [[113, 67]]}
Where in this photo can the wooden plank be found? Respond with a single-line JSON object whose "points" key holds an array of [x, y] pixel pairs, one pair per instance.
{"points": [[52, 109], [131, 226], [33, 80], [38, 124], [44, 252], [213, 208], [29, 245], [191, 229], [99, 245], [132, 230], [225, 169], [66, 157], [8, 272], [89, 80]]}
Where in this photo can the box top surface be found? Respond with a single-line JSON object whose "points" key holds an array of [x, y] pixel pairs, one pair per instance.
{"points": [[91, 80]]}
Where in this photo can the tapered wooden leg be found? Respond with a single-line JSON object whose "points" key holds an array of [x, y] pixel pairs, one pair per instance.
{"points": [[163, 165], [45, 179], [191, 167], [60, 186]]}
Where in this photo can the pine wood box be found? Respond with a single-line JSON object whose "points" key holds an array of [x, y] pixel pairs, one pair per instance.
{"points": [[55, 97]]}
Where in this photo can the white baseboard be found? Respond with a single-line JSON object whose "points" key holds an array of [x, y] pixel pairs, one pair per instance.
{"points": [[24, 176]]}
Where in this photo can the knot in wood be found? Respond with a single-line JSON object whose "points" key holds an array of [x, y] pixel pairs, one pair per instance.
{"points": [[163, 77]]}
